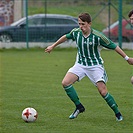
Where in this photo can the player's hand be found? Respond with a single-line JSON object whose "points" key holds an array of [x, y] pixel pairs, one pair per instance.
{"points": [[49, 49], [130, 61]]}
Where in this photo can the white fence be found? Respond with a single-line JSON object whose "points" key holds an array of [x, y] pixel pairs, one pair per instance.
{"points": [[19, 45]]}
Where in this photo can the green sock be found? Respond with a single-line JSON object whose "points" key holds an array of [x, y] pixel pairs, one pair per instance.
{"points": [[111, 102], [70, 91]]}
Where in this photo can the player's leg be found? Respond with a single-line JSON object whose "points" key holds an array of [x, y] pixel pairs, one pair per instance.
{"points": [[109, 99], [74, 74], [98, 77], [67, 82]]}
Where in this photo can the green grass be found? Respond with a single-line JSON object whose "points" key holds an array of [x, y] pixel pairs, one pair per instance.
{"points": [[33, 78]]}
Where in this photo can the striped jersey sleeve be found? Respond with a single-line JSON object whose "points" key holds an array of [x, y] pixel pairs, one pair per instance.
{"points": [[104, 41], [71, 35]]}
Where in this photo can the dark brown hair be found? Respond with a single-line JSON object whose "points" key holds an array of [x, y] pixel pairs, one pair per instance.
{"points": [[85, 17], [130, 13]]}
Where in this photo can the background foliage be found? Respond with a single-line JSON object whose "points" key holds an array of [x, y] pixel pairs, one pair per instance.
{"points": [[99, 9]]}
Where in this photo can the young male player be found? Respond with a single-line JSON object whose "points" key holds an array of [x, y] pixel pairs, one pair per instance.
{"points": [[130, 15], [88, 63]]}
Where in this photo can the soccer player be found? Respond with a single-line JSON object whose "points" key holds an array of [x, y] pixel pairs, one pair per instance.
{"points": [[88, 63], [130, 15]]}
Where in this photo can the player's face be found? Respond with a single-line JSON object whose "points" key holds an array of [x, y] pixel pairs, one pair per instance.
{"points": [[84, 26], [131, 19]]}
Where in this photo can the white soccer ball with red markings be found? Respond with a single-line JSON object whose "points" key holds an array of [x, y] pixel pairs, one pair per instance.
{"points": [[29, 114]]}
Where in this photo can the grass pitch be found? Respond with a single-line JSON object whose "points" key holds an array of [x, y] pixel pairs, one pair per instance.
{"points": [[32, 78]]}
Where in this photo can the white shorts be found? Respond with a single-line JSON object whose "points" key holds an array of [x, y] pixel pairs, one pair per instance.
{"points": [[94, 73]]}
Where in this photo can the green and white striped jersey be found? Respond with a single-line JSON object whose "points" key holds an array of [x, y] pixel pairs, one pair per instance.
{"points": [[89, 47]]}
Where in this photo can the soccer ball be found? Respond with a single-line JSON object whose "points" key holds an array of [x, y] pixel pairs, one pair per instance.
{"points": [[29, 114]]}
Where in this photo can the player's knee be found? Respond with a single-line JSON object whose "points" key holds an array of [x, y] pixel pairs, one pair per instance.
{"points": [[103, 92], [65, 83], [102, 88]]}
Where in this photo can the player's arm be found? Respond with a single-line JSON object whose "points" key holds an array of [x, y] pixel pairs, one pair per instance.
{"points": [[109, 44], [59, 41], [122, 53]]}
